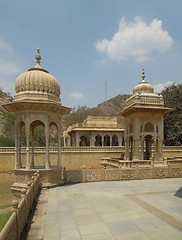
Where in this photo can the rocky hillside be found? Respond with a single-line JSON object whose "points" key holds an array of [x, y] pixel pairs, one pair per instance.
{"points": [[113, 106], [4, 98]]}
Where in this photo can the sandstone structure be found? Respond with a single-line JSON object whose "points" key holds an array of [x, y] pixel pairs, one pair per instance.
{"points": [[95, 131], [36, 103], [143, 116]]}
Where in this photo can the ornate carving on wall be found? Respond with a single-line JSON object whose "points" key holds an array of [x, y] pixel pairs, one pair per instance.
{"points": [[144, 173], [93, 175], [161, 172], [121, 174], [175, 172], [112, 175], [74, 176], [129, 174]]}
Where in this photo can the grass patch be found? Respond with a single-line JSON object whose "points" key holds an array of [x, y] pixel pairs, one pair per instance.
{"points": [[6, 206], [3, 219], [6, 181]]}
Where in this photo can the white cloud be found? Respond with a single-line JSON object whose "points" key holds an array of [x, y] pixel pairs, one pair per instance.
{"points": [[4, 46], [101, 61], [136, 39], [77, 95], [9, 66], [159, 87]]}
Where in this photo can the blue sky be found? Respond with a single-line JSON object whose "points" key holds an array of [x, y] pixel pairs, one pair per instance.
{"points": [[84, 43]]}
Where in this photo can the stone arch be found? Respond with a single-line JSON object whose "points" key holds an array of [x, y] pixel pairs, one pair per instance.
{"points": [[149, 127], [148, 142], [36, 123], [115, 140], [38, 138], [84, 141], [21, 132], [54, 132], [98, 140]]}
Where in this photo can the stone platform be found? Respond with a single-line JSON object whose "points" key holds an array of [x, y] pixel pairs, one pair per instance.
{"points": [[128, 210]]}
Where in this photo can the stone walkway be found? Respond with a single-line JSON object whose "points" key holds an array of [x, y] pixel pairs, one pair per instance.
{"points": [[138, 209], [5, 210]]}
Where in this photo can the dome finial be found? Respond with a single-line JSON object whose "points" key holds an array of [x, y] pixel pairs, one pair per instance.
{"points": [[143, 75], [38, 57]]}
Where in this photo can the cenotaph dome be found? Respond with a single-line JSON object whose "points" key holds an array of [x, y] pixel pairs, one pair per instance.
{"points": [[37, 85]]}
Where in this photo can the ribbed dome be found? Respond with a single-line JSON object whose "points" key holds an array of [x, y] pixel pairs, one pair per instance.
{"points": [[37, 84], [143, 86]]}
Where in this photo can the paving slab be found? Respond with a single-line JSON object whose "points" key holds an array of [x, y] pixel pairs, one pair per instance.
{"points": [[128, 210]]}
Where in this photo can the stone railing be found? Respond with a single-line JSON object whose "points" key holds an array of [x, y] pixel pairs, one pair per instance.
{"points": [[20, 210], [84, 149], [118, 163], [66, 149], [120, 174], [144, 100], [177, 161]]}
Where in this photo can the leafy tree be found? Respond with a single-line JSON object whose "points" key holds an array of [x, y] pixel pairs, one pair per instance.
{"points": [[173, 120], [7, 134]]}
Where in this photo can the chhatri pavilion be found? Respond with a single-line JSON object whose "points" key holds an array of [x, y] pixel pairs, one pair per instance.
{"points": [[143, 114], [36, 103]]}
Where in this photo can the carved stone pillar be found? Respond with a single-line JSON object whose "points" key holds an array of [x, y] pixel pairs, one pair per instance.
{"points": [[28, 151], [32, 138], [136, 149], [160, 149], [120, 140], [16, 150], [59, 151], [142, 149], [126, 148], [92, 140], [47, 165], [77, 139], [19, 150]]}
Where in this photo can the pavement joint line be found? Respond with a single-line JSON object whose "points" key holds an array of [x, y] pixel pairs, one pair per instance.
{"points": [[157, 212], [144, 193]]}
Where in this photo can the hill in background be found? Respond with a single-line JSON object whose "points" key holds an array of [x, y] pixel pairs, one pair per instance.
{"points": [[172, 121], [113, 106]]}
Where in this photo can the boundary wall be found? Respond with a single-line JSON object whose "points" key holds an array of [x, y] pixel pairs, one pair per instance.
{"points": [[136, 173], [73, 158]]}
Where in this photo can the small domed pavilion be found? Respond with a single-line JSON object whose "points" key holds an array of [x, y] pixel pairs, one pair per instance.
{"points": [[36, 103], [143, 116]]}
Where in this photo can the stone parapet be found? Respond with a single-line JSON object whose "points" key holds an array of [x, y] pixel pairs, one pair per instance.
{"points": [[98, 175], [20, 210]]}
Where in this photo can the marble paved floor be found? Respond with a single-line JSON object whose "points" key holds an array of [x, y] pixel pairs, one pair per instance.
{"points": [[127, 210]]}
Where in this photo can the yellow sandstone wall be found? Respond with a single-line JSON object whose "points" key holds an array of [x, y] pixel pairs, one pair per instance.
{"points": [[73, 160], [70, 160]]}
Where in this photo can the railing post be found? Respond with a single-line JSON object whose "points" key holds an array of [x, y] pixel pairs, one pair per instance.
{"points": [[36, 182], [15, 210], [38, 178], [23, 195], [165, 161], [103, 174], [83, 174], [29, 188], [64, 175]]}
